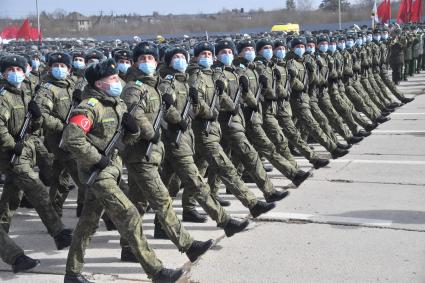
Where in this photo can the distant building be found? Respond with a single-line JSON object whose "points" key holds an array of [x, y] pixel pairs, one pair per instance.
{"points": [[79, 21]]}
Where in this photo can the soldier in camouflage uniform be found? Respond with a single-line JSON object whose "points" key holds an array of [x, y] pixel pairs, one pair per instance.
{"points": [[15, 103], [78, 67], [208, 134], [396, 56], [408, 53], [142, 92], [179, 139], [300, 100], [124, 60], [92, 125], [284, 111]]}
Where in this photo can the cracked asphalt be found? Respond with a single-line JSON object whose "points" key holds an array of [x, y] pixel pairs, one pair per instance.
{"points": [[361, 219]]}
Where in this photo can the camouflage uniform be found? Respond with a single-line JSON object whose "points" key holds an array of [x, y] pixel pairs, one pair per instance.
{"points": [[100, 116], [9, 250]]}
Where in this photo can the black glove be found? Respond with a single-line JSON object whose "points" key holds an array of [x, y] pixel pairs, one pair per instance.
{"points": [[155, 138], [34, 109], [292, 73], [277, 75], [244, 83], [183, 125], [263, 80], [309, 66], [77, 95], [19, 147], [220, 86], [194, 95], [103, 162], [129, 123], [236, 110], [168, 100]]}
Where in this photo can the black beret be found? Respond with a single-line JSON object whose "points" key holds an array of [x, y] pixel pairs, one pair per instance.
{"points": [[279, 42], [377, 30], [245, 43], [145, 48], [322, 38], [13, 61], [122, 54], [310, 39], [333, 39], [202, 46], [94, 54], [224, 44], [352, 36], [263, 42], [169, 53], [100, 70], [297, 40], [78, 53], [59, 57], [341, 37]]}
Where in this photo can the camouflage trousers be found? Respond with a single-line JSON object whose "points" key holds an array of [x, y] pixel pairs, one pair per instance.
{"points": [[9, 250]]}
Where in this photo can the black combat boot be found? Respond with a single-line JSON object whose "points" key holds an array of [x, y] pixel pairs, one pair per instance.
{"points": [[381, 119], [166, 275], [24, 263], [76, 278], [193, 216], [198, 248], [371, 127], [127, 255], [343, 146], [407, 99], [355, 139], [319, 163], [300, 177], [363, 133], [63, 239], [222, 201], [235, 226], [267, 167], [277, 196], [339, 153], [260, 208]]}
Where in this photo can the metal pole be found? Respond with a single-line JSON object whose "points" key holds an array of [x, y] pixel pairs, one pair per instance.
{"points": [[38, 24], [339, 14]]}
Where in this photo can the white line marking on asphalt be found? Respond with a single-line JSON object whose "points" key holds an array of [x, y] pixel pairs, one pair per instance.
{"points": [[328, 219], [399, 132], [374, 161], [411, 113]]}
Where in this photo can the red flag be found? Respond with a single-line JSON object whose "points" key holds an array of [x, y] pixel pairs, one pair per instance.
{"points": [[25, 31], [384, 11], [416, 11], [403, 16], [9, 32]]}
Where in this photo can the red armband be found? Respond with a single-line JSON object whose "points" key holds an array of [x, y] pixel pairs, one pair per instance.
{"points": [[81, 121]]}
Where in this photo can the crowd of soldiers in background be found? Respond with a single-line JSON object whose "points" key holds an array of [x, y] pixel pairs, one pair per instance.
{"points": [[183, 114]]}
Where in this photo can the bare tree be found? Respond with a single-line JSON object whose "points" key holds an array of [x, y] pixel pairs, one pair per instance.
{"points": [[305, 5]]}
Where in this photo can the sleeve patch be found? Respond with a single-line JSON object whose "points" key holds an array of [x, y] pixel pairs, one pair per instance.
{"points": [[81, 121], [92, 102]]}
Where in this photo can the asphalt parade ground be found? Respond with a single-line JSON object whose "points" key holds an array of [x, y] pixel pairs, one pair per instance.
{"points": [[360, 219]]}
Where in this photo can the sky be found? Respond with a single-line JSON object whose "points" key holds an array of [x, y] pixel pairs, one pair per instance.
{"points": [[22, 8]]}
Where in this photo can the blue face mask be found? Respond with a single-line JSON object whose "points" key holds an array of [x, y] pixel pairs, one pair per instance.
{"points": [[179, 64], [341, 45], [147, 68], [60, 73], [377, 37], [310, 50], [299, 51], [267, 53], [323, 48], [359, 41], [35, 64], [205, 62], [332, 48], [123, 67], [368, 38], [349, 43], [385, 36], [226, 59], [15, 78], [249, 55], [115, 89], [78, 65], [280, 54]]}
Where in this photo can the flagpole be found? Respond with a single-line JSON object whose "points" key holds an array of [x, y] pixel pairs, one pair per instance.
{"points": [[339, 14], [38, 24]]}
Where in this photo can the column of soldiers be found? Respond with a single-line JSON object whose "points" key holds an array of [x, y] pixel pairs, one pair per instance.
{"points": [[176, 113]]}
